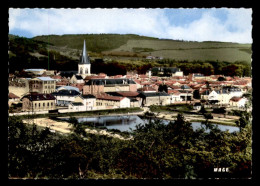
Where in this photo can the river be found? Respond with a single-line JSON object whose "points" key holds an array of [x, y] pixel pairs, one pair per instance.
{"points": [[124, 123]]}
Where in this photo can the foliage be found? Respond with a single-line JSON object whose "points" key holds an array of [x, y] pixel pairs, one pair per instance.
{"points": [[163, 88], [158, 150], [221, 110], [196, 94]]}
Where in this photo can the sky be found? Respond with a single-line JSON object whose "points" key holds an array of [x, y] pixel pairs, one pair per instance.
{"points": [[213, 24]]}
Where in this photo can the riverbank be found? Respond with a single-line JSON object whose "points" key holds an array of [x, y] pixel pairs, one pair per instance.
{"points": [[65, 128], [199, 118]]}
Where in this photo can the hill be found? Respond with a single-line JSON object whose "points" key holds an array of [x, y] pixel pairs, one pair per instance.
{"points": [[117, 54], [130, 45]]}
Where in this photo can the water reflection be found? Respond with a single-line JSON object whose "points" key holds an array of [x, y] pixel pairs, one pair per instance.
{"points": [[124, 123]]}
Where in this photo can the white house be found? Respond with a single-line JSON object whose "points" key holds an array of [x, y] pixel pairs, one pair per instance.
{"points": [[175, 96], [105, 101], [64, 97], [76, 79], [124, 103], [238, 102], [89, 101], [76, 106]]}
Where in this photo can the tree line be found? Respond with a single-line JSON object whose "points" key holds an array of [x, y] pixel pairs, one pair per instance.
{"points": [[157, 150]]}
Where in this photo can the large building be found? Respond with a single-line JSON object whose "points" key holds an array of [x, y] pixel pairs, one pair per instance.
{"points": [[44, 85], [38, 102], [84, 63], [96, 86]]}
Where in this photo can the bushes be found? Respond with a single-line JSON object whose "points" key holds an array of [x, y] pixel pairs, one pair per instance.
{"points": [[157, 151]]}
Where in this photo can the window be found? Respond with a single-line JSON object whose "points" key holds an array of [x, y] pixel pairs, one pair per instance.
{"points": [[48, 104], [81, 70], [43, 104]]}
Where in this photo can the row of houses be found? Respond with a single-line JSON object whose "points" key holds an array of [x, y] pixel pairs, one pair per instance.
{"points": [[103, 92]]}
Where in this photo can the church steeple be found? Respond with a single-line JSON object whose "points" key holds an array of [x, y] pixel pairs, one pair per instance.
{"points": [[84, 63], [84, 57]]}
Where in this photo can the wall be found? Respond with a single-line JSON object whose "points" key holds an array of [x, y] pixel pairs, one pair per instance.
{"points": [[125, 103], [28, 105]]}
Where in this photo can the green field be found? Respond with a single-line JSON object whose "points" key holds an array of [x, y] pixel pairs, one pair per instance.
{"points": [[177, 50], [116, 44]]}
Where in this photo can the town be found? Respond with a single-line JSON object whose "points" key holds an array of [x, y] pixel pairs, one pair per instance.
{"points": [[46, 91], [131, 93]]}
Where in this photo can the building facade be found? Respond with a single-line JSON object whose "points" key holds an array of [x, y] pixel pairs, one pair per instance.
{"points": [[43, 85], [38, 102]]}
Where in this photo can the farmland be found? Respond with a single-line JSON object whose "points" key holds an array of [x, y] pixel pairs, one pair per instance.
{"points": [[130, 45]]}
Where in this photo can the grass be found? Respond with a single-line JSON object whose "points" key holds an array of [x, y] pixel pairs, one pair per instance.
{"points": [[134, 45], [171, 108]]}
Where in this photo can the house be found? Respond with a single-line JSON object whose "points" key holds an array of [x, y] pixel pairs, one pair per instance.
{"points": [[44, 85], [38, 102], [96, 86], [65, 96], [167, 71], [76, 79], [238, 102], [135, 100], [12, 98], [175, 96], [186, 95], [76, 106], [89, 101], [155, 98], [105, 101]]}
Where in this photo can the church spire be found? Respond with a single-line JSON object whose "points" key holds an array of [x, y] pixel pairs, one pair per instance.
{"points": [[84, 56]]}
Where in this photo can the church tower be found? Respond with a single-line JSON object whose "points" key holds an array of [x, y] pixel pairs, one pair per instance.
{"points": [[84, 63]]}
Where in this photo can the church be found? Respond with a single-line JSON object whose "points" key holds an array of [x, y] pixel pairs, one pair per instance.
{"points": [[84, 63]]}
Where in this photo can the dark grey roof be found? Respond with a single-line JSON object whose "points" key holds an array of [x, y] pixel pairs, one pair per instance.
{"points": [[34, 96], [66, 93], [76, 103], [78, 77], [185, 87], [109, 82], [84, 57], [88, 96], [153, 94]]}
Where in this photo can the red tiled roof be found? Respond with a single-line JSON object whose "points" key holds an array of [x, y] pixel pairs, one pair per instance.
{"points": [[12, 96], [94, 77], [128, 93], [143, 76], [56, 77], [108, 97], [235, 99], [175, 92], [137, 81]]}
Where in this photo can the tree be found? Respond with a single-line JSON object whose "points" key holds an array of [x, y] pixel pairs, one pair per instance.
{"points": [[196, 94], [77, 127], [220, 78], [163, 88]]}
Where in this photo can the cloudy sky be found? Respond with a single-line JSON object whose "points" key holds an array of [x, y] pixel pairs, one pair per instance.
{"points": [[228, 25]]}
